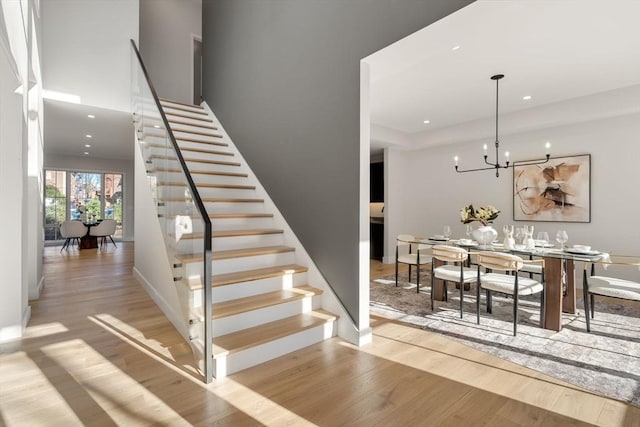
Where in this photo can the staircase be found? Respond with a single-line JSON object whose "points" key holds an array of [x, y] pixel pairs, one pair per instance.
{"points": [[263, 306]]}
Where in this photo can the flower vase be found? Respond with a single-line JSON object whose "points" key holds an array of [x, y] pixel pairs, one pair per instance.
{"points": [[485, 235]]}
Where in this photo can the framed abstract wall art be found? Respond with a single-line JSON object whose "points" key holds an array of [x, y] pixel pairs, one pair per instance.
{"points": [[559, 190]]}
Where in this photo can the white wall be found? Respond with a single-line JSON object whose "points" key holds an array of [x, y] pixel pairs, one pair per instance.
{"points": [[426, 193], [86, 49], [126, 167], [20, 154], [167, 28]]}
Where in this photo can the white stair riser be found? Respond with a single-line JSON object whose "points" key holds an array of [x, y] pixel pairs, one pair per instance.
{"points": [[235, 362], [238, 322], [205, 192], [254, 287], [154, 152], [179, 109], [181, 207], [231, 265], [228, 243], [222, 224], [200, 178], [210, 156]]}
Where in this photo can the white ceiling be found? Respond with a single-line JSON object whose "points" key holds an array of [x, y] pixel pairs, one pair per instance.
{"points": [[550, 50], [87, 57], [66, 126]]}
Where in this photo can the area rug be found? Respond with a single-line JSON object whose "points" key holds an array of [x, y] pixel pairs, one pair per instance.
{"points": [[605, 361]]}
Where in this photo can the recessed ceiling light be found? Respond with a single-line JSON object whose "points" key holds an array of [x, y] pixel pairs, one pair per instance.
{"points": [[88, 136], [86, 153], [526, 97], [426, 122], [87, 145], [91, 116], [456, 47]]}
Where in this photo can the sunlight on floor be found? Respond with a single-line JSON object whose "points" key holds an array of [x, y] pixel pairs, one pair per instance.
{"points": [[435, 355], [255, 405], [85, 389], [42, 394]]}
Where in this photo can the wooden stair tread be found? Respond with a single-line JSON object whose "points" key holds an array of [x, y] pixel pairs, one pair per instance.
{"points": [[194, 150], [240, 215], [235, 233], [215, 200], [256, 274], [236, 253], [195, 132], [231, 215], [198, 141], [182, 108], [256, 302], [205, 185], [198, 125], [203, 172], [186, 159], [202, 150], [186, 104], [247, 338], [184, 116]]}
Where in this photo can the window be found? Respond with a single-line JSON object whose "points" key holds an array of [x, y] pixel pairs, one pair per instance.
{"points": [[100, 194]]}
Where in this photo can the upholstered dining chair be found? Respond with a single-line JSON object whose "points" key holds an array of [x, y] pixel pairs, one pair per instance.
{"points": [[72, 231], [450, 272], [608, 285], [106, 228], [509, 283], [411, 253]]}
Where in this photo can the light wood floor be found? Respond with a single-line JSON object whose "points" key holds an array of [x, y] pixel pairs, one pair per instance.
{"points": [[99, 352]]}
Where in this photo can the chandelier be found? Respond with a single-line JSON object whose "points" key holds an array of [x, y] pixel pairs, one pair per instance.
{"points": [[497, 165]]}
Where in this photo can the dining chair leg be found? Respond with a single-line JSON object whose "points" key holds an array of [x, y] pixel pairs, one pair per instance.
{"points": [[461, 296], [433, 281], [418, 278], [515, 313], [489, 301], [396, 271], [409, 279], [478, 303], [585, 299], [593, 305], [114, 243]]}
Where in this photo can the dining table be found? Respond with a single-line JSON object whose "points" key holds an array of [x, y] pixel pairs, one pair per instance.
{"points": [[88, 241], [559, 272]]}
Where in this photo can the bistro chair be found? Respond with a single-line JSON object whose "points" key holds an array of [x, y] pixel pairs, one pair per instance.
{"points": [[411, 253], [453, 270], [105, 229], [509, 284], [609, 285], [72, 231]]}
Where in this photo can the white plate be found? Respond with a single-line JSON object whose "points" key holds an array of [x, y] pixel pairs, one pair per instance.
{"points": [[468, 243], [579, 252], [544, 245], [438, 238], [498, 245]]}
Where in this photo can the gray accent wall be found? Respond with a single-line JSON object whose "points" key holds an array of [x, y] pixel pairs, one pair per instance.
{"points": [[283, 77]]}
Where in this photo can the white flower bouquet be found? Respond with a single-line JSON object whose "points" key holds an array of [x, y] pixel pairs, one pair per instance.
{"points": [[485, 214]]}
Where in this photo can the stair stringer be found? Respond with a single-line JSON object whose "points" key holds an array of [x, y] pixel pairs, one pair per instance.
{"points": [[347, 329], [152, 263]]}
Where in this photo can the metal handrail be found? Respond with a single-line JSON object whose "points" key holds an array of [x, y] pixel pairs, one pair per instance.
{"points": [[207, 267]]}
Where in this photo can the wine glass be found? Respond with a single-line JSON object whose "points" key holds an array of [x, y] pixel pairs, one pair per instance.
{"points": [[469, 230], [446, 231], [543, 238], [562, 237], [519, 236]]}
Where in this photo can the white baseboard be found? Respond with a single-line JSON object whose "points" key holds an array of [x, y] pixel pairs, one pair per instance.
{"points": [[175, 318], [26, 316], [35, 293]]}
